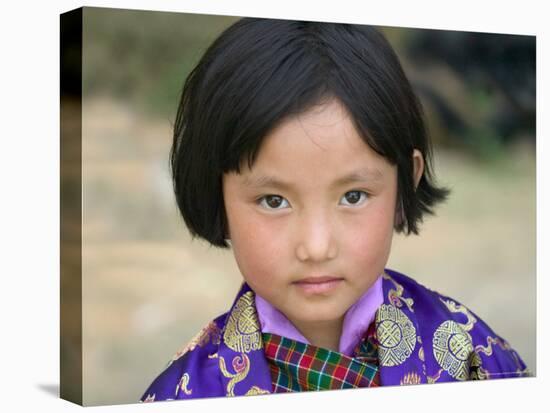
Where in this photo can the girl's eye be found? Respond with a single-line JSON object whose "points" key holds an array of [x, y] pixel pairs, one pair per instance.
{"points": [[273, 202], [352, 198]]}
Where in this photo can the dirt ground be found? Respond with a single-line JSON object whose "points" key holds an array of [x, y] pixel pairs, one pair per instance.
{"points": [[147, 288]]}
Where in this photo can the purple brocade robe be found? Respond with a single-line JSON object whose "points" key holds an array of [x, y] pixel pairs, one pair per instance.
{"points": [[423, 337]]}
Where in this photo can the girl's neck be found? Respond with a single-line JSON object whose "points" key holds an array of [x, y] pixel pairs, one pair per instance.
{"points": [[324, 334]]}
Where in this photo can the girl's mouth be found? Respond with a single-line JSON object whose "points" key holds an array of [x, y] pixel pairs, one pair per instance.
{"points": [[318, 285]]}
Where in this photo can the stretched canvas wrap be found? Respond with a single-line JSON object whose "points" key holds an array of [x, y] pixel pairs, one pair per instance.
{"points": [[165, 317]]}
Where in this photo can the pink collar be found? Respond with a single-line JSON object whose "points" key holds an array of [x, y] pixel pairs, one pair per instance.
{"points": [[356, 321]]}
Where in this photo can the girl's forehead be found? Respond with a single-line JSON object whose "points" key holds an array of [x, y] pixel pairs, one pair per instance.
{"points": [[320, 120], [322, 139], [319, 148]]}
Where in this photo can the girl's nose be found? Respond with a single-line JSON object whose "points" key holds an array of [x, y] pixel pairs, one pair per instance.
{"points": [[316, 241]]}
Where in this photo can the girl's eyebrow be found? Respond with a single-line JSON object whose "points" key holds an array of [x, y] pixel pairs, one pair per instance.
{"points": [[265, 181], [359, 176], [362, 175]]}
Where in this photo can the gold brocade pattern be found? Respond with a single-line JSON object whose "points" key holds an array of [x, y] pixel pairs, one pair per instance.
{"points": [[433, 379], [241, 365], [452, 348], [396, 336], [488, 351], [255, 390], [421, 355], [476, 370], [211, 332], [503, 344], [396, 296], [242, 332], [182, 385], [457, 308], [410, 378], [150, 398]]}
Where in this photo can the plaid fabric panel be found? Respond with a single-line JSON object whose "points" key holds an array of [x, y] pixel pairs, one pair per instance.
{"points": [[296, 366]]}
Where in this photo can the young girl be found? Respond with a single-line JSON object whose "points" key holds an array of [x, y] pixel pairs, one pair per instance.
{"points": [[302, 146]]}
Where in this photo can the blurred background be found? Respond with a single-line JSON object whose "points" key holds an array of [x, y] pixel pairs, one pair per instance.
{"points": [[147, 288]]}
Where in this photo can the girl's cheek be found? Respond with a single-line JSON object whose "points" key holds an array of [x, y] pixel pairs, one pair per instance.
{"points": [[260, 244], [369, 239]]}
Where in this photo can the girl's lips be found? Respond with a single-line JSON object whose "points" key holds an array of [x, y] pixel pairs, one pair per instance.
{"points": [[317, 280], [317, 285]]}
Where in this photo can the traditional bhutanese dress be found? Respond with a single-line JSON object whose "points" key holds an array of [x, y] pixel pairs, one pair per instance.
{"points": [[398, 333]]}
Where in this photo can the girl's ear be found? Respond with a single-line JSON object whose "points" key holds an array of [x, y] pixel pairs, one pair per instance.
{"points": [[418, 170], [418, 167]]}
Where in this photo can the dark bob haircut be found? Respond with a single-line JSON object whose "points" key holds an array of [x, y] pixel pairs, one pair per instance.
{"points": [[259, 72]]}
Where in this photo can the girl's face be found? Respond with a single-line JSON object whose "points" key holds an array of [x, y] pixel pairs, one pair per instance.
{"points": [[311, 223]]}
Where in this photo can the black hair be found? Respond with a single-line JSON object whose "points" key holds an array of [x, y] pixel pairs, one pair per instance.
{"points": [[259, 72]]}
